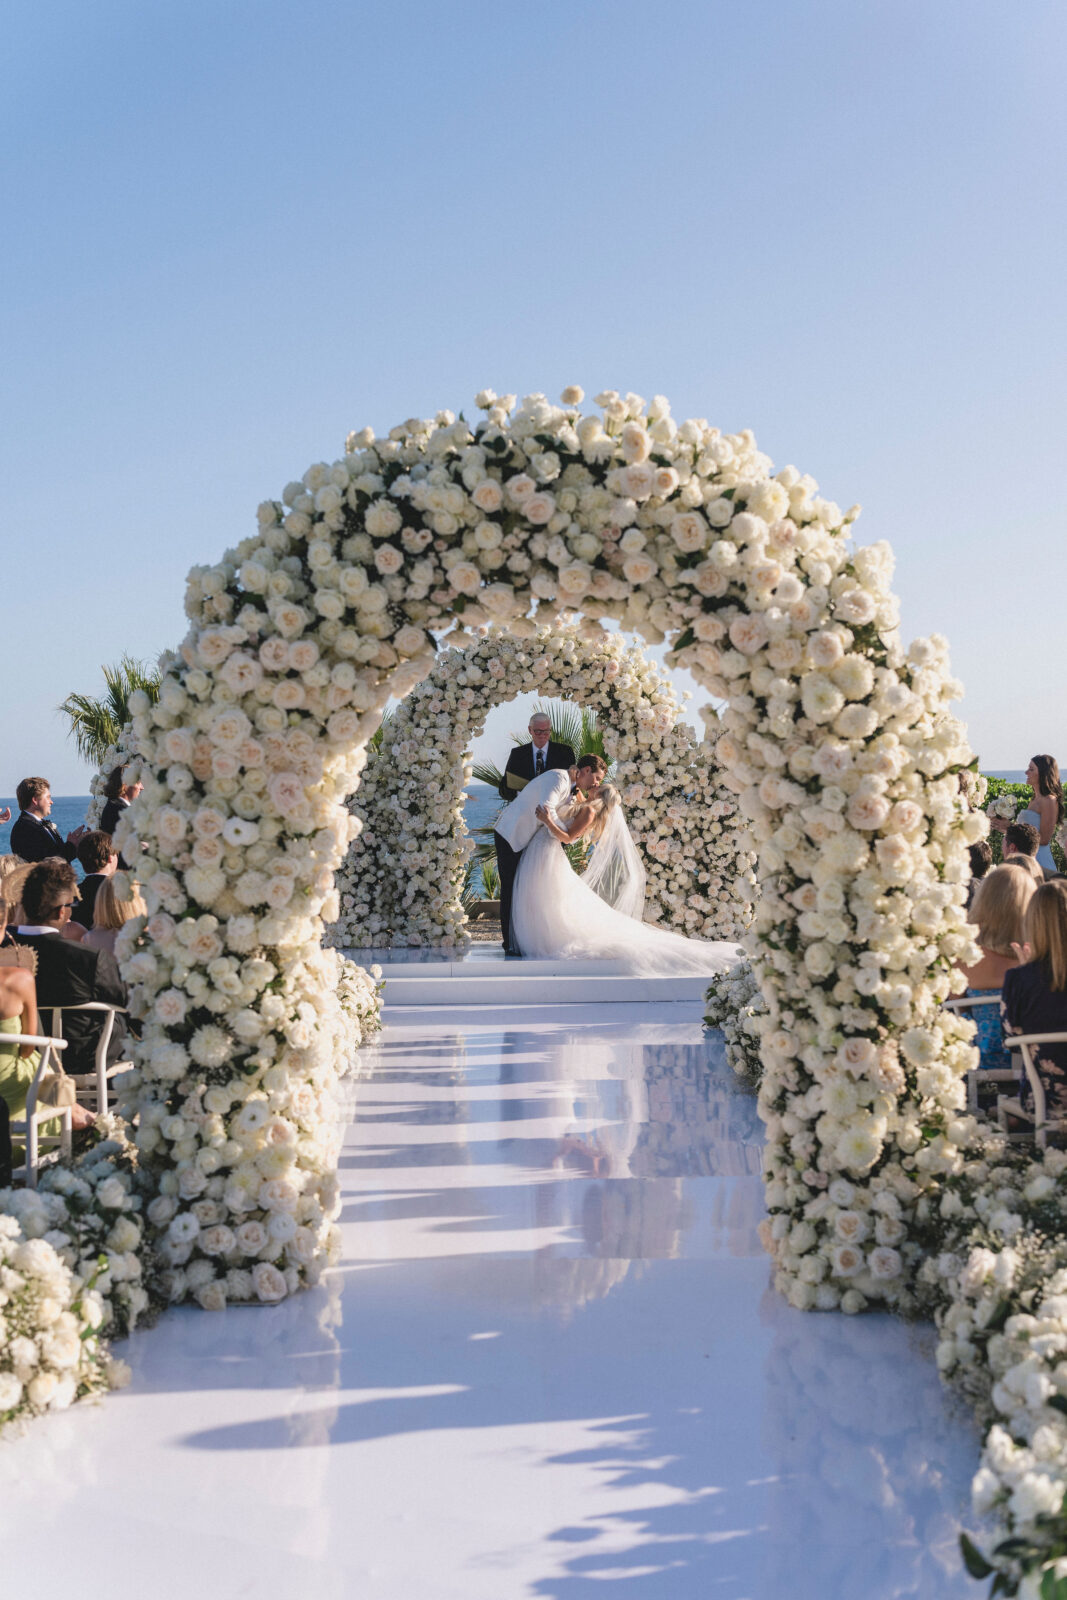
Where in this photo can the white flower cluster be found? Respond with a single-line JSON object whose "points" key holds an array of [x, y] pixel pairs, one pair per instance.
{"points": [[736, 1007], [995, 1277], [403, 880], [1003, 806], [50, 1351]]}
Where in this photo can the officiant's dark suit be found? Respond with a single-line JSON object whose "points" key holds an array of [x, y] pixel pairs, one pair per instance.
{"points": [[34, 839], [525, 763], [522, 765]]}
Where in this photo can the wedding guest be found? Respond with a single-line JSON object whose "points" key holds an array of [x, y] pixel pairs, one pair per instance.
{"points": [[33, 836], [118, 795], [527, 761], [19, 1063], [69, 974], [1027, 864], [1045, 811], [981, 856], [1020, 839], [99, 862], [999, 911], [110, 914], [1034, 998]]}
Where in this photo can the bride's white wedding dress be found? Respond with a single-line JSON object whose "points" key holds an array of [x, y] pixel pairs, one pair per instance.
{"points": [[555, 913]]}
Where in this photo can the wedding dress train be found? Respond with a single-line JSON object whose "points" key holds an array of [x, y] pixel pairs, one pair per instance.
{"points": [[555, 914]]}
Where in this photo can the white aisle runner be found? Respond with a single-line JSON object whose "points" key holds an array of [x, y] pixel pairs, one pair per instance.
{"points": [[550, 1365]]}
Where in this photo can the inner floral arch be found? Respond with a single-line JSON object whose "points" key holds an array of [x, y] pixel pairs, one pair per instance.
{"points": [[838, 742], [402, 881]]}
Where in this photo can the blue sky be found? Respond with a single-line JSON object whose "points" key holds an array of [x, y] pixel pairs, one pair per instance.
{"points": [[234, 231]]}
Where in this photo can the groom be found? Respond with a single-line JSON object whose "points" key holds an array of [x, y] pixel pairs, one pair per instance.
{"points": [[518, 822]]}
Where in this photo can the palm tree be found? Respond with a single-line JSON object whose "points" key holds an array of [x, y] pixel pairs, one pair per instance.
{"points": [[97, 722]]}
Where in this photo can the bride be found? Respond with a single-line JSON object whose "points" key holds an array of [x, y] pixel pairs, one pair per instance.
{"points": [[556, 913]]}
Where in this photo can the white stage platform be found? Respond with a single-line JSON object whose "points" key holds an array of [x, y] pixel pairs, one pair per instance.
{"points": [[485, 976], [549, 1365]]}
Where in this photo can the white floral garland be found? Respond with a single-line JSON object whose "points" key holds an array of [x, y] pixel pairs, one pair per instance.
{"points": [[403, 879], [839, 745]]}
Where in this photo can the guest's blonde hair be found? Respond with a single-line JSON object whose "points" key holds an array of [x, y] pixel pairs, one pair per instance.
{"points": [[999, 908], [1046, 930], [11, 886], [1027, 864], [110, 912]]}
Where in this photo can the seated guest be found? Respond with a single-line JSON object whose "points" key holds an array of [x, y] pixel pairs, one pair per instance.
{"points": [[999, 911], [19, 1063], [110, 914], [1034, 998], [98, 859], [1020, 839], [6, 1157], [119, 795], [1027, 864], [33, 837], [981, 855], [69, 974]]}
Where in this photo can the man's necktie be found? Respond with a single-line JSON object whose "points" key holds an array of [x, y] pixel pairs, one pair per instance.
{"points": [[540, 763]]}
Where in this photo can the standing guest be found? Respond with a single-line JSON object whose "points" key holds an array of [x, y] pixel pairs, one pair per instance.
{"points": [[99, 861], [119, 795], [1045, 811], [999, 910], [1034, 998], [981, 855], [110, 914], [69, 974], [33, 837], [528, 761]]}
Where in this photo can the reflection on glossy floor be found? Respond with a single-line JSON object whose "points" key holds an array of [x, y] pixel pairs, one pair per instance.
{"points": [[549, 1366]]}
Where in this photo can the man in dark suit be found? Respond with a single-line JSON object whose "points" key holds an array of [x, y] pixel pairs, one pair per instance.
{"points": [[69, 974], [99, 861], [528, 761], [33, 837]]}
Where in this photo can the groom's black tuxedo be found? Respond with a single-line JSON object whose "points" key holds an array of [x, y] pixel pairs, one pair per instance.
{"points": [[521, 766], [34, 839]]}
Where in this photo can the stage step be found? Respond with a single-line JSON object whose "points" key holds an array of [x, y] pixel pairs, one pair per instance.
{"points": [[483, 977]]}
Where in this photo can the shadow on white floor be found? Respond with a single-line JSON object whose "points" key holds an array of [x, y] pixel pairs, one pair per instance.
{"points": [[549, 1365]]}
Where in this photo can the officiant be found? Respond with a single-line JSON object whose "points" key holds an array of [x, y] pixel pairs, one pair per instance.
{"points": [[526, 762]]}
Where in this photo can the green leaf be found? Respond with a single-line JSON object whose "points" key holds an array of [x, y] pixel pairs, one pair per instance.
{"points": [[1051, 1589], [1058, 1402], [973, 1559]]}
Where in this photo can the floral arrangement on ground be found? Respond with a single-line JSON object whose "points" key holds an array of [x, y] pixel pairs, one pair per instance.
{"points": [[402, 882]]}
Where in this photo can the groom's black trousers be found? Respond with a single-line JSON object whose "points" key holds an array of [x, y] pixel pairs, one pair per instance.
{"points": [[507, 861]]}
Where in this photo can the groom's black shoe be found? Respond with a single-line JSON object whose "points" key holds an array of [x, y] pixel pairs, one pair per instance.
{"points": [[512, 955]]}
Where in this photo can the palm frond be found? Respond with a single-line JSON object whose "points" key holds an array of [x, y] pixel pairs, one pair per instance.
{"points": [[375, 741], [96, 721], [486, 772]]}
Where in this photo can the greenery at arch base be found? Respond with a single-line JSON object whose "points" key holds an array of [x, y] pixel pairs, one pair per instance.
{"points": [[838, 741]]}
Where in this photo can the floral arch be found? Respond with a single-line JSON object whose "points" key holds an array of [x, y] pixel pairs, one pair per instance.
{"points": [[837, 740], [402, 881]]}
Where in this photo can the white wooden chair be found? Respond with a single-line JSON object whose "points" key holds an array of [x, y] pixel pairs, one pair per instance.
{"points": [[970, 1002], [1014, 1107], [29, 1127], [92, 1087]]}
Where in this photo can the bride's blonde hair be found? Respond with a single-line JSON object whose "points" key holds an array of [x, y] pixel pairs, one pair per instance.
{"points": [[604, 802]]}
